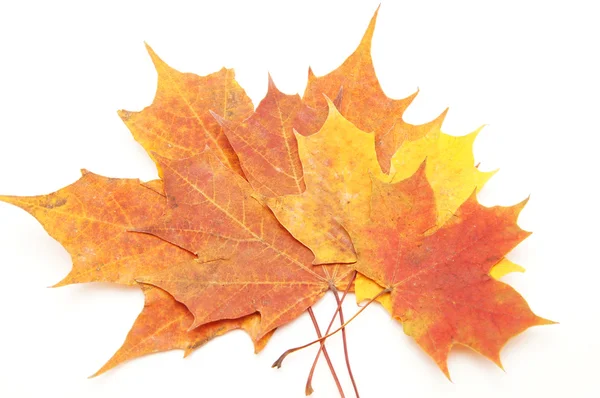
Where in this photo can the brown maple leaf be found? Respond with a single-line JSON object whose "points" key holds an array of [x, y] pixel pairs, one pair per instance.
{"points": [[178, 124], [440, 283], [363, 102], [248, 262]]}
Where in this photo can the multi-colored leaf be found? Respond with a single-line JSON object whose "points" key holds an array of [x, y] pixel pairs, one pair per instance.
{"points": [[92, 218], [266, 146], [164, 325], [178, 124], [363, 102], [260, 213], [339, 163], [439, 283], [248, 262]]}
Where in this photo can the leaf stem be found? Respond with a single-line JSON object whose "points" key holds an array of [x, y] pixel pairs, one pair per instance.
{"points": [[279, 361], [309, 388], [325, 354], [345, 342]]}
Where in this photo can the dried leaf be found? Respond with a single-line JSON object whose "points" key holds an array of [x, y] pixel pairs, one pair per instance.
{"points": [[249, 262], [363, 101], [163, 325], [366, 289], [266, 145], [336, 163], [450, 169], [91, 219], [178, 124], [440, 283]]}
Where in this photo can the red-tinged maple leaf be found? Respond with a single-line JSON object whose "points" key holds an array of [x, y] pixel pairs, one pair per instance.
{"points": [[178, 124], [363, 102], [266, 144], [91, 219], [440, 283], [249, 262], [164, 323]]}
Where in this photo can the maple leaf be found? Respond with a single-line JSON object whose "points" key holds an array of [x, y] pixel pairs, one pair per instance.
{"points": [[163, 325], [338, 164], [266, 146], [367, 289], [178, 124], [248, 262], [451, 173], [91, 219], [450, 167], [363, 101], [439, 283]]}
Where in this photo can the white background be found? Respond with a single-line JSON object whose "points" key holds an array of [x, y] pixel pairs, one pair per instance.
{"points": [[527, 69]]}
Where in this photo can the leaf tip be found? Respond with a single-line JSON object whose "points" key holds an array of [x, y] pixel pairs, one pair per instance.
{"points": [[156, 60], [420, 173], [365, 43], [333, 111], [218, 118], [124, 115], [338, 99], [64, 282], [438, 121], [6, 199], [521, 205], [271, 83], [543, 321]]}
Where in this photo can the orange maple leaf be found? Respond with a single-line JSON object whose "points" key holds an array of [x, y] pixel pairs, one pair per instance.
{"points": [[363, 102], [178, 124], [164, 324], [266, 146], [248, 262], [92, 218], [440, 283]]}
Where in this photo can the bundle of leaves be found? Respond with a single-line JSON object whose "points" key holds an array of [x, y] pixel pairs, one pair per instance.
{"points": [[259, 213]]}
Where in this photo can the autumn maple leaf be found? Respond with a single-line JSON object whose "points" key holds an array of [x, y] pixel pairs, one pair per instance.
{"points": [[93, 218], [249, 262], [178, 124], [440, 283], [338, 162], [363, 102], [164, 324], [266, 146]]}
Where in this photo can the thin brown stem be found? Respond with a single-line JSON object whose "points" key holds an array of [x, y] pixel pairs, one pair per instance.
{"points": [[345, 342], [279, 361], [338, 309], [325, 354]]}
